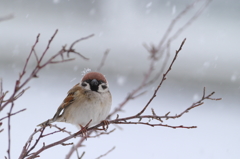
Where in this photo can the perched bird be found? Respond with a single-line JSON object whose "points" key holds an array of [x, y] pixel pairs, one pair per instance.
{"points": [[88, 100]]}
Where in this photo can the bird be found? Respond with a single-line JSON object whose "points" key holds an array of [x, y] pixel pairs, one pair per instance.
{"points": [[88, 103]]}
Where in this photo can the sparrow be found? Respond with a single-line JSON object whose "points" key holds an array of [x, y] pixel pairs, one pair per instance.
{"points": [[89, 100]]}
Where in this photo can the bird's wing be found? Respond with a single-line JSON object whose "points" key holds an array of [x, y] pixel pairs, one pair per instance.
{"points": [[66, 102]]}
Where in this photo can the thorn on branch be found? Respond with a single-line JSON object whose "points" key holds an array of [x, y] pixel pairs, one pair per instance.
{"points": [[102, 133], [167, 114], [81, 154], [153, 112], [66, 144]]}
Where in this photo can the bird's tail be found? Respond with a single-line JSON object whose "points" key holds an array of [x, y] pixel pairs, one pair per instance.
{"points": [[46, 123]]}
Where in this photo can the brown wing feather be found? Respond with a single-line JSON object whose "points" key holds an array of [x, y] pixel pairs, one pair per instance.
{"points": [[66, 102]]}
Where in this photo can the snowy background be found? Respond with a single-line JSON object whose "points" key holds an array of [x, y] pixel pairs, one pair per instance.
{"points": [[210, 57]]}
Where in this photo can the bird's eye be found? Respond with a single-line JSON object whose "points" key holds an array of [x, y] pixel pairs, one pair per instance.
{"points": [[104, 86], [84, 84]]}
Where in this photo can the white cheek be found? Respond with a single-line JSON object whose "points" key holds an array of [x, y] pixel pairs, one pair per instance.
{"points": [[100, 89], [87, 87]]}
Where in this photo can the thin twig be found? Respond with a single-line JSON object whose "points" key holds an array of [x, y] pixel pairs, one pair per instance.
{"points": [[80, 157], [18, 91], [67, 144], [123, 120], [155, 55], [7, 17], [75, 147], [103, 60], [48, 46], [163, 78], [1, 93], [13, 114], [106, 153], [60, 129], [72, 45], [126, 120], [1, 130], [37, 140], [102, 133], [9, 131], [19, 85]]}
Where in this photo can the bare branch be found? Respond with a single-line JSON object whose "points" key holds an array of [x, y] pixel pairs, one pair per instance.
{"points": [[178, 17], [129, 120], [102, 133], [13, 114], [1, 93], [60, 129], [72, 45], [106, 153], [156, 53], [67, 144], [103, 60], [80, 157], [75, 147], [9, 131], [19, 85], [48, 45], [163, 78], [41, 130], [7, 17], [153, 125], [19, 90]]}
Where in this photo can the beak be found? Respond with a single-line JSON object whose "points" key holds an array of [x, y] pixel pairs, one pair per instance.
{"points": [[94, 82]]}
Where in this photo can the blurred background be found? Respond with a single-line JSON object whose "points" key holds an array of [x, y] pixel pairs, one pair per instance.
{"points": [[210, 58]]}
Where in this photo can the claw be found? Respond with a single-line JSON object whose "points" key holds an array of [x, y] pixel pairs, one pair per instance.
{"points": [[84, 130], [105, 125]]}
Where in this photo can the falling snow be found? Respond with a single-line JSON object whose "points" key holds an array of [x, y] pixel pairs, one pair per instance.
{"points": [[16, 50], [173, 10], [92, 11], [86, 70], [148, 11], [149, 5], [168, 3], [206, 64], [73, 79], [121, 80], [100, 34], [75, 68], [233, 77], [56, 1], [196, 97]]}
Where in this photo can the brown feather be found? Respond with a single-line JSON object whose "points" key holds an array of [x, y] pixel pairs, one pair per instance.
{"points": [[67, 101], [94, 75]]}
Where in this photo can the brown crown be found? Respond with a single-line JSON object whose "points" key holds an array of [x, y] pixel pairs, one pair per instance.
{"points": [[94, 75]]}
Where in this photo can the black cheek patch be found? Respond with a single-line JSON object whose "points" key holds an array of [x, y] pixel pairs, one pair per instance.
{"points": [[84, 84], [104, 87]]}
